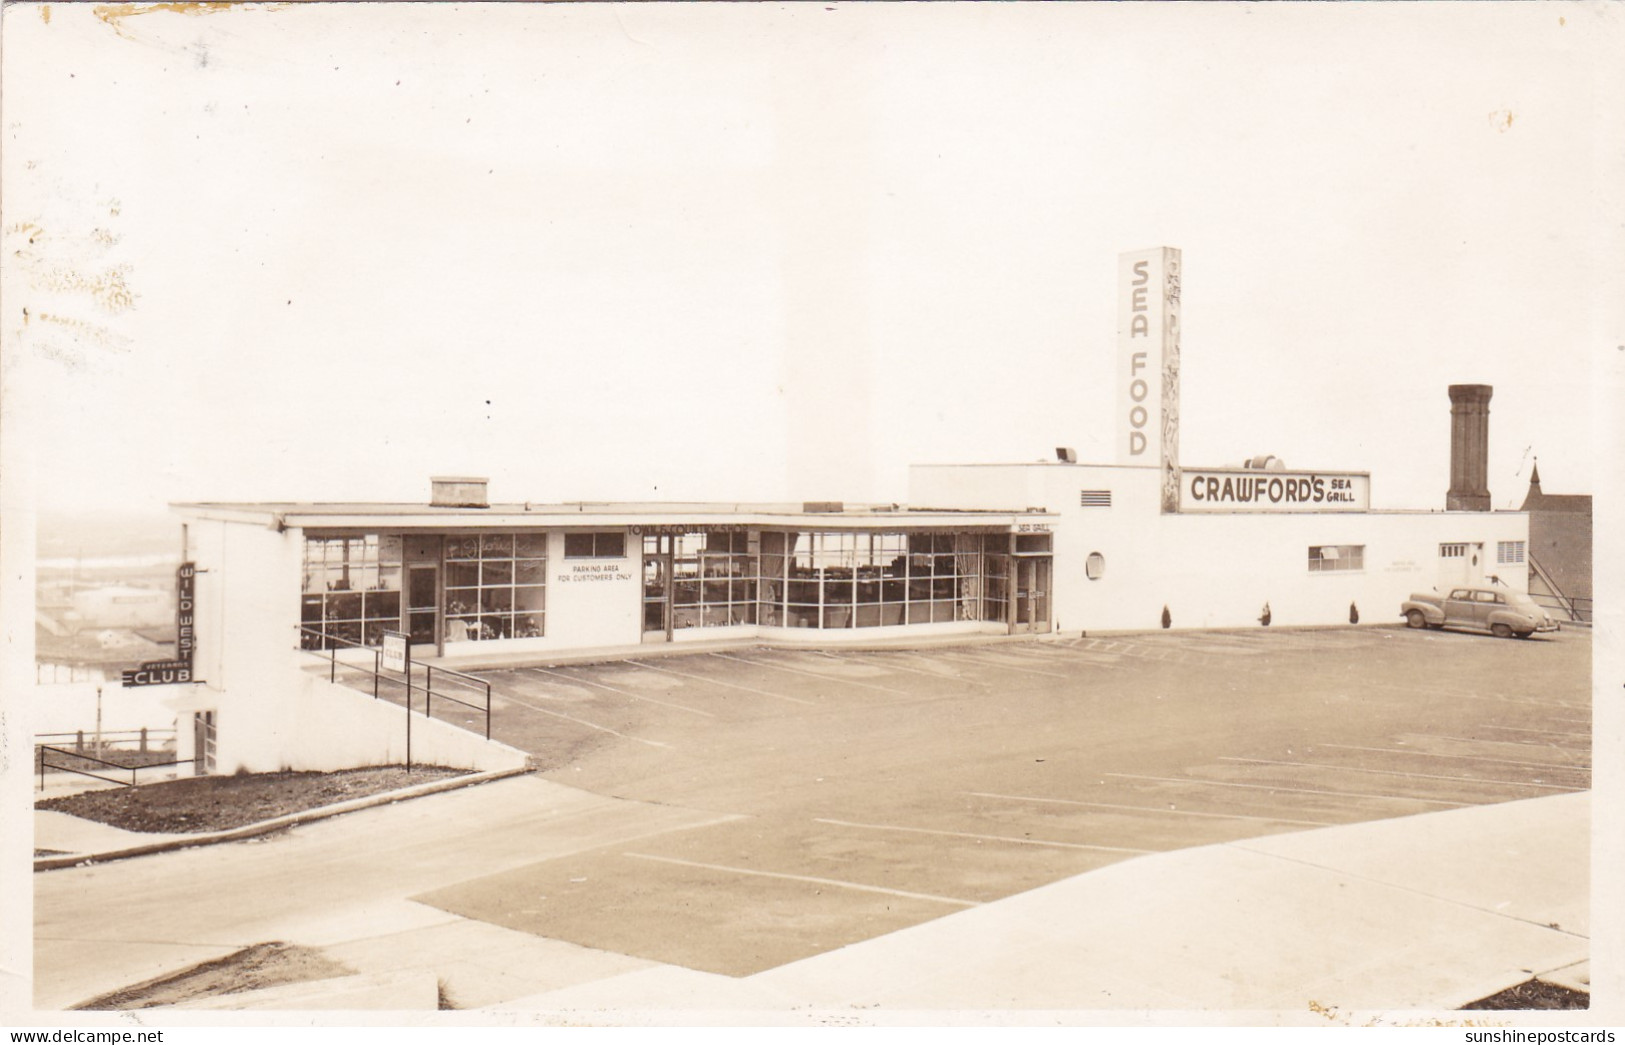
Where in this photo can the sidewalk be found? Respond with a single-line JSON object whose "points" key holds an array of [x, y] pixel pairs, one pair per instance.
{"points": [[1425, 912]]}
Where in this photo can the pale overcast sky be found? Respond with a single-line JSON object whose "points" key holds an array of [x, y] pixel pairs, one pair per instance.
{"points": [[761, 252]]}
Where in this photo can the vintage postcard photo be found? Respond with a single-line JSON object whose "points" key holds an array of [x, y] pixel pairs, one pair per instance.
{"points": [[822, 514]]}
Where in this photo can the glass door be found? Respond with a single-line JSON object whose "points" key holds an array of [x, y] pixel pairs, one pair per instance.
{"points": [[423, 606], [657, 570], [1031, 610]]}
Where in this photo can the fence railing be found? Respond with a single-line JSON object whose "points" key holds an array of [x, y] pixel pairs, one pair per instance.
{"points": [[66, 758], [369, 661], [143, 739]]}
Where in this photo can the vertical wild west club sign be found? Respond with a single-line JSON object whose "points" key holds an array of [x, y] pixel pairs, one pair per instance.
{"points": [[1148, 365], [167, 672]]}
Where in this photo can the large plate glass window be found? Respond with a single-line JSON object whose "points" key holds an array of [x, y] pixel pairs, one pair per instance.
{"points": [[496, 586], [351, 591], [879, 579]]}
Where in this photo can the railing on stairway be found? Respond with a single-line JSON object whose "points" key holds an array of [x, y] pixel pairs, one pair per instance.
{"points": [[436, 679], [1577, 607]]}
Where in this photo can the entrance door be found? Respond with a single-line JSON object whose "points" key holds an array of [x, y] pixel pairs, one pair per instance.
{"points": [[203, 733], [423, 607], [657, 570], [1031, 610], [1461, 562]]}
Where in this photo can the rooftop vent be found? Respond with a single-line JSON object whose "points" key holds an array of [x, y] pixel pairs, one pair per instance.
{"points": [[1265, 463], [1066, 455], [457, 492]]}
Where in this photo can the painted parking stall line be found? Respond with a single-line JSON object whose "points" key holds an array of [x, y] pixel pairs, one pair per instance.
{"points": [[1153, 809], [1553, 732], [953, 675], [1570, 767], [968, 658], [810, 879], [584, 722], [718, 682], [1199, 782], [1531, 745], [1399, 773], [983, 838], [622, 692], [810, 674]]}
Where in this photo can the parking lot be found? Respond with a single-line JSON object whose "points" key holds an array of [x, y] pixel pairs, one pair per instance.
{"points": [[857, 792]]}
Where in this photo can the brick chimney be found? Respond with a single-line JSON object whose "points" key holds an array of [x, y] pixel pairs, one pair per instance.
{"points": [[1469, 448]]}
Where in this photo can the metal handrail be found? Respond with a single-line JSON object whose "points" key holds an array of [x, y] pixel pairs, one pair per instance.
{"points": [[1570, 604], [377, 672], [133, 770]]}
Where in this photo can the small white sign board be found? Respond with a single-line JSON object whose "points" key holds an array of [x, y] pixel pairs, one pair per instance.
{"points": [[395, 650]]}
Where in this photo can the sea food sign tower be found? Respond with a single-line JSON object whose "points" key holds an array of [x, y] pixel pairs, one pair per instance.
{"points": [[1148, 365]]}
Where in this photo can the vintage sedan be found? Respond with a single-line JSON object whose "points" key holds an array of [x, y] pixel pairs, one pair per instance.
{"points": [[1500, 611]]}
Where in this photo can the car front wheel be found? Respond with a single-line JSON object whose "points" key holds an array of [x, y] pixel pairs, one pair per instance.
{"points": [[1501, 631], [1415, 619]]}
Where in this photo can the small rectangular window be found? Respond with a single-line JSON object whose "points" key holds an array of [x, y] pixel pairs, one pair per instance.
{"points": [[1509, 553], [605, 545], [1452, 551], [1328, 558], [1095, 498]]}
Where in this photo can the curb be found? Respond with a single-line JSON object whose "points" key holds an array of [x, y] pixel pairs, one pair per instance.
{"points": [[53, 863]]}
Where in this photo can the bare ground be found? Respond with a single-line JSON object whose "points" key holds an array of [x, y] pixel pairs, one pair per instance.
{"points": [[250, 969], [1535, 994], [219, 803]]}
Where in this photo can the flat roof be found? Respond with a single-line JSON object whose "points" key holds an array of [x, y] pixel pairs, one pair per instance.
{"points": [[312, 515]]}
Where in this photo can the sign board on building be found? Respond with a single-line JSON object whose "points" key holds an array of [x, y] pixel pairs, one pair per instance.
{"points": [[170, 672], [1148, 364], [1257, 490]]}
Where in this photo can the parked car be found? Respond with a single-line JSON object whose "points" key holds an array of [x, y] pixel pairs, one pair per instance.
{"points": [[1500, 611]]}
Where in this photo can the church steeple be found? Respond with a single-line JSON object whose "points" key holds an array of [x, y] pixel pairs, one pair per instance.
{"points": [[1535, 493]]}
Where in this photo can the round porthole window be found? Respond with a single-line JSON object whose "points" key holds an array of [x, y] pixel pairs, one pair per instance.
{"points": [[1094, 566]]}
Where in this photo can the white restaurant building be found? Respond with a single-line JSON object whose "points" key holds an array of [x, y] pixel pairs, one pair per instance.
{"points": [[978, 549]]}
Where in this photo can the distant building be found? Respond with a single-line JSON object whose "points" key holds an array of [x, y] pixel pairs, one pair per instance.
{"points": [[1559, 549], [124, 607]]}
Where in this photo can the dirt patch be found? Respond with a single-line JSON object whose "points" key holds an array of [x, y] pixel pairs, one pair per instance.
{"points": [[1534, 995], [219, 803], [250, 969]]}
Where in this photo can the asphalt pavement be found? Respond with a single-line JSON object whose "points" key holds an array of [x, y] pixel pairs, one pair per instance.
{"points": [[1274, 820]]}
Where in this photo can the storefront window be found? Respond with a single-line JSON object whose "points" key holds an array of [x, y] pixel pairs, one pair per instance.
{"points": [[714, 578], [867, 580], [351, 591], [495, 586]]}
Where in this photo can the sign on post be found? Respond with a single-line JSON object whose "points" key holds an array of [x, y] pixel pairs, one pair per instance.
{"points": [[395, 651]]}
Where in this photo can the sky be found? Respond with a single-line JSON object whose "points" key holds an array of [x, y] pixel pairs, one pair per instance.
{"points": [[762, 252]]}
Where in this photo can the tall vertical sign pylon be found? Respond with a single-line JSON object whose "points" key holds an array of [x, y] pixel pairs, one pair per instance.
{"points": [[1148, 364]]}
